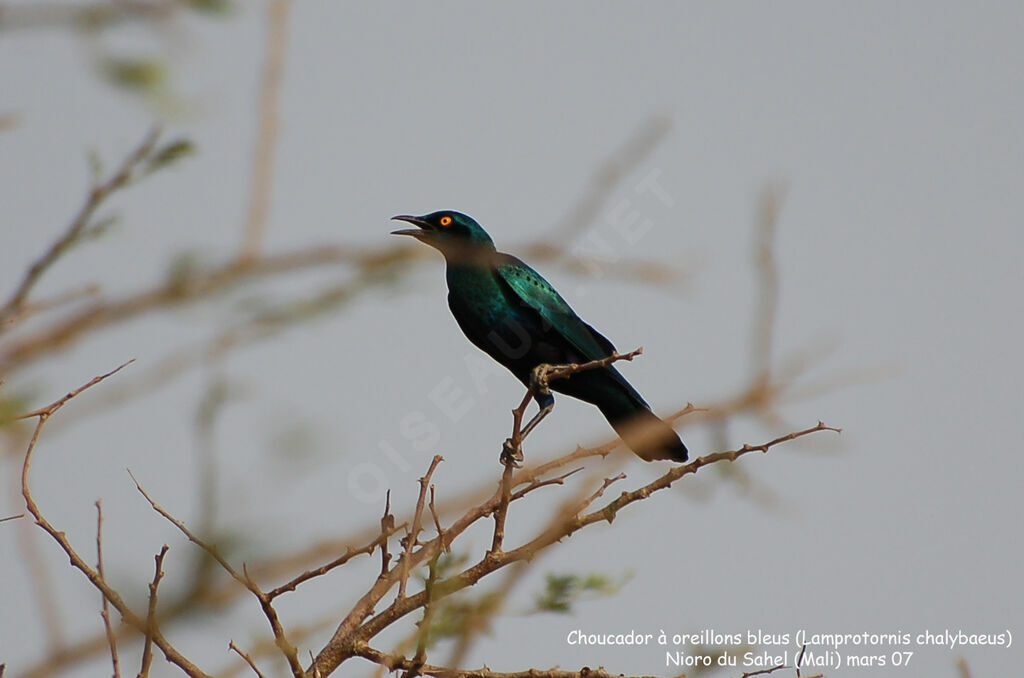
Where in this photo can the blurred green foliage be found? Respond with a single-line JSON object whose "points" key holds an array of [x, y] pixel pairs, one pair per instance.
{"points": [[562, 590]]}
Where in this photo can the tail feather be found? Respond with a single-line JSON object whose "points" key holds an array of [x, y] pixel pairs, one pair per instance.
{"points": [[643, 432]]}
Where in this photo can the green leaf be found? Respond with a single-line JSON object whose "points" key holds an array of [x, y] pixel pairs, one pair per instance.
{"points": [[213, 7], [11, 406], [140, 74], [170, 153], [562, 590], [457, 617], [184, 266]]}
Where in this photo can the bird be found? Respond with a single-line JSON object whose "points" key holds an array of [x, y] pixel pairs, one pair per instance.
{"points": [[513, 314]]}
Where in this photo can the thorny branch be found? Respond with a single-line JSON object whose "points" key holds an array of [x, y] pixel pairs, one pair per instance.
{"points": [[43, 414], [417, 519], [105, 611], [147, 648], [287, 648], [356, 627]]}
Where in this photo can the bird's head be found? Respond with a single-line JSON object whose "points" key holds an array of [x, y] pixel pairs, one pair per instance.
{"points": [[450, 232]]}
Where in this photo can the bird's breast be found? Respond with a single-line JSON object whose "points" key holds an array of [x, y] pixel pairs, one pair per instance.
{"points": [[477, 297]]}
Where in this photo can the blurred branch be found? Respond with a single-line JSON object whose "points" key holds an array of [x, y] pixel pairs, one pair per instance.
{"points": [[261, 177], [767, 285], [8, 121], [120, 178], [583, 213], [556, 244], [89, 15], [191, 287], [31, 308]]}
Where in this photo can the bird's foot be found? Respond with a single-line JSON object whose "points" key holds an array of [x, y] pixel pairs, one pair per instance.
{"points": [[539, 379], [512, 453]]}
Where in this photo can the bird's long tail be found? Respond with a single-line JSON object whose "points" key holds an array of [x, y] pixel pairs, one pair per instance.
{"points": [[643, 432]]}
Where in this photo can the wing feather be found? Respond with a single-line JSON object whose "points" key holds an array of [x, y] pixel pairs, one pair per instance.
{"points": [[537, 293]]}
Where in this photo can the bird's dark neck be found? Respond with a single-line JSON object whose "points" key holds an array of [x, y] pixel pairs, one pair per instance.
{"points": [[469, 255], [470, 274]]}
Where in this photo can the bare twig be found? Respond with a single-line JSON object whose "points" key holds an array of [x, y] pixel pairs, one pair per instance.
{"points": [[147, 648], [105, 612], [505, 492], [437, 521], [762, 672], [599, 492], [666, 480], [4, 520], [515, 442], [349, 554], [247, 658], [387, 525], [417, 520], [46, 412], [537, 482], [545, 374]]}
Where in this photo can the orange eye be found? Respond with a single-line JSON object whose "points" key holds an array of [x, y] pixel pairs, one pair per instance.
{"points": [[446, 220]]}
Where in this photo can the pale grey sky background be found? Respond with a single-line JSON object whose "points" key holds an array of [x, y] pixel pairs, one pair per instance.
{"points": [[896, 129]]}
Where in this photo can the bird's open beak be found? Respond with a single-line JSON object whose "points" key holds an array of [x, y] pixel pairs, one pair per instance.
{"points": [[414, 232]]}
